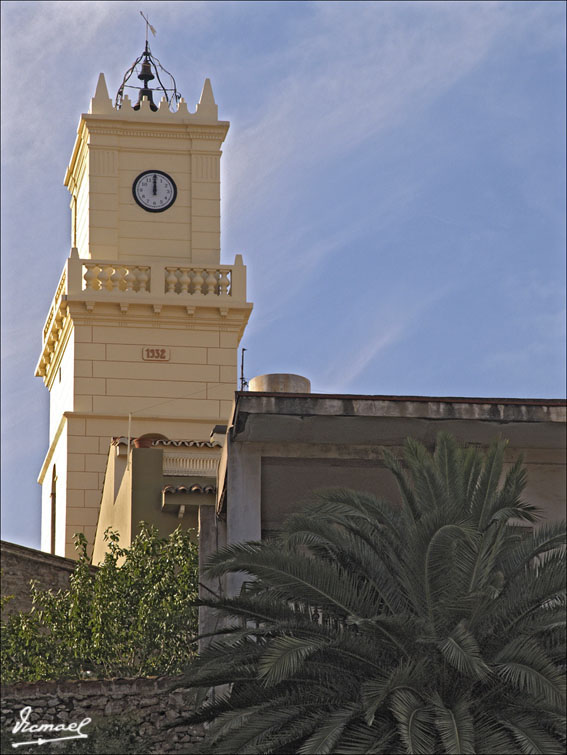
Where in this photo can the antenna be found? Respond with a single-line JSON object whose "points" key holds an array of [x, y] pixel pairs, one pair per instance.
{"points": [[243, 381]]}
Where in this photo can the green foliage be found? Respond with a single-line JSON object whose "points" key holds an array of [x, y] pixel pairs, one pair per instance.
{"points": [[133, 616], [437, 626]]}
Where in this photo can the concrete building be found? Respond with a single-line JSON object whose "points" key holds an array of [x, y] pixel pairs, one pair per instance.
{"points": [[280, 447]]}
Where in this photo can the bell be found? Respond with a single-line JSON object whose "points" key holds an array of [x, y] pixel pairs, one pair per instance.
{"points": [[146, 72], [146, 75]]}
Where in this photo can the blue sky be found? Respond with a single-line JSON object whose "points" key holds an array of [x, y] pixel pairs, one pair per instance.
{"points": [[394, 176]]}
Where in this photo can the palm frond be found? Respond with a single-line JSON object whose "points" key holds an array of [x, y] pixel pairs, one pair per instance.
{"points": [[284, 656], [291, 574], [530, 737], [262, 730], [359, 739], [414, 719], [441, 543], [354, 548], [550, 536], [455, 726], [376, 690], [524, 666], [490, 736], [328, 731], [448, 461], [484, 496], [429, 488], [351, 507], [407, 493], [471, 460], [535, 590], [461, 651], [280, 738]]}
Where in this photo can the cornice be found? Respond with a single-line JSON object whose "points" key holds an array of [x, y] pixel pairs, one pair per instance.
{"points": [[213, 419], [159, 313], [53, 352], [189, 132]]}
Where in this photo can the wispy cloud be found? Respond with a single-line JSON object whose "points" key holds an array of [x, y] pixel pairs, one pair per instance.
{"points": [[358, 70], [373, 328]]}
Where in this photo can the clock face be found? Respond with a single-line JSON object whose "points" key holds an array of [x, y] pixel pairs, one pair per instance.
{"points": [[154, 190]]}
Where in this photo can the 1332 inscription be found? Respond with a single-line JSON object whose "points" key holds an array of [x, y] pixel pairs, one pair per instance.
{"points": [[155, 354]]}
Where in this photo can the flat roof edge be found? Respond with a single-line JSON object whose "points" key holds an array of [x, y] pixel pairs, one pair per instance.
{"points": [[420, 399]]}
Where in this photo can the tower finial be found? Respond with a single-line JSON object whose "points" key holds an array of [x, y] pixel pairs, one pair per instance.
{"points": [[149, 69]]}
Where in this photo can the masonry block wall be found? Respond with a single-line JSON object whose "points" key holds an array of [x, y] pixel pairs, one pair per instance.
{"points": [[149, 712], [20, 565]]}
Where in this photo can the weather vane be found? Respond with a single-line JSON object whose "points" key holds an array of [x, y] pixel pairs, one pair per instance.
{"points": [[148, 26], [149, 68]]}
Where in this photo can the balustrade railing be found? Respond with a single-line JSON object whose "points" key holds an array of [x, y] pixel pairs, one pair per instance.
{"points": [[177, 280], [198, 280], [184, 466], [88, 279], [120, 278]]}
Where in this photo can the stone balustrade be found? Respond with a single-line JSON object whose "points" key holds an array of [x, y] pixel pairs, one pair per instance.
{"points": [[101, 276], [145, 279]]}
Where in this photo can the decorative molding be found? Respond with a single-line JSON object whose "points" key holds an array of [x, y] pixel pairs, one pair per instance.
{"points": [[188, 133], [175, 465]]}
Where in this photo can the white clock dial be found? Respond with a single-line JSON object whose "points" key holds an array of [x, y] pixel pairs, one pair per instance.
{"points": [[154, 190]]}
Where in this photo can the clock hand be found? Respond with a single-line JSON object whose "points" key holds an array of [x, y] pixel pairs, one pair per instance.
{"points": [[155, 184]]}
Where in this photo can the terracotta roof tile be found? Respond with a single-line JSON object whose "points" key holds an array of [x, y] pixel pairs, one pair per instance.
{"points": [[121, 440], [202, 489]]}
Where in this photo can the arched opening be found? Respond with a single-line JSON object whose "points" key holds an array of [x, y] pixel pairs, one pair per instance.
{"points": [[145, 441]]}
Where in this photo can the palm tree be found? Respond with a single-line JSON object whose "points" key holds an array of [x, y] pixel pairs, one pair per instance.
{"points": [[434, 626]]}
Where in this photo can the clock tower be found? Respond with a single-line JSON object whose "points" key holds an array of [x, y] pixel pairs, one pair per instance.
{"points": [[143, 330]]}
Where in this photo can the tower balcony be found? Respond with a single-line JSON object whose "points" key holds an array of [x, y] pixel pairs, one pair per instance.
{"points": [[155, 286]]}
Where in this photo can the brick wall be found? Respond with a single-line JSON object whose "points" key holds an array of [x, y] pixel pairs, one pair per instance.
{"points": [[148, 708]]}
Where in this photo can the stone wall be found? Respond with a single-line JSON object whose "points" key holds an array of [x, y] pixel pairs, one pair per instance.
{"points": [[20, 564], [128, 715]]}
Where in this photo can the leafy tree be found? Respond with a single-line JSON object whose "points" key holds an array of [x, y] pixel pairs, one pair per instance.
{"points": [[133, 616], [434, 627]]}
